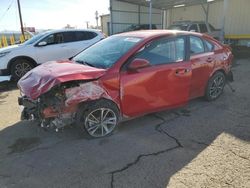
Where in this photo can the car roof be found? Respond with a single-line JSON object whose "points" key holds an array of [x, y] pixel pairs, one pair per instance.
{"points": [[157, 33], [68, 30], [187, 22]]}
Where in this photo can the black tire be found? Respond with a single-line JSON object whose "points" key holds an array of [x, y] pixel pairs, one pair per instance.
{"points": [[215, 86], [24, 114], [20, 67], [88, 118]]}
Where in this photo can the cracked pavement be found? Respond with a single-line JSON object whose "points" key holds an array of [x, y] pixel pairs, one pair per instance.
{"points": [[204, 144]]}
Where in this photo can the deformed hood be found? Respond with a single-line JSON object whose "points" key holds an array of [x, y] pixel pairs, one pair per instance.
{"points": [[42, 78]]}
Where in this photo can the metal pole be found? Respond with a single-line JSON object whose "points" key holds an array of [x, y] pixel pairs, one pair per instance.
{"points": [[20, 17], [225, 5], [111, 17], [96, 17], [150, 14], [207, 13], [164, 19]]}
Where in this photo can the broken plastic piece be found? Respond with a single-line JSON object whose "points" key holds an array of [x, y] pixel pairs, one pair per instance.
{"points": [[84, 92]]}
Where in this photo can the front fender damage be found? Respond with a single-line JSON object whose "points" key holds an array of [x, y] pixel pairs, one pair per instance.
{"points": [[65, 114], [83, 92]]}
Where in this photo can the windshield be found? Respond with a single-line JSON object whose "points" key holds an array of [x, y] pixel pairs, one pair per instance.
{"points": [[35, 38], [178, 27], [106, 52]]}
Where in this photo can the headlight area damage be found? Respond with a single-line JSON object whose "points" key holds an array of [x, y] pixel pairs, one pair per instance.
{"points": [[58, 107]]}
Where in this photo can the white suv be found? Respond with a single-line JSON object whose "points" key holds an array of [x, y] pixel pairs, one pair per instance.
{"points": [[16, 60]]}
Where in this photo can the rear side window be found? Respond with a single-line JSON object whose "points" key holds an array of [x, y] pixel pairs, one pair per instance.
{"points": [[164, 51], [203, 28], [196, 45], [209, 45], [85, 35], [69, 36]]}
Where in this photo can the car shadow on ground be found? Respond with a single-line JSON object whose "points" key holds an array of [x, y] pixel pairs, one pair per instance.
{"points": [[7, 86], [142, 152]]}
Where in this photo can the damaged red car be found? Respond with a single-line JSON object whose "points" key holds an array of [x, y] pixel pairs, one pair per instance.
{"points": [[124, 76]]}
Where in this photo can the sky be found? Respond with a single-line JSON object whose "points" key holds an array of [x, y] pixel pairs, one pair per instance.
{"points": [[51, 14]]}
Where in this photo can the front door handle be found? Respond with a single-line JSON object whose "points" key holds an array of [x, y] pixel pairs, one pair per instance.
{"points": [[182, 71], [210, 59]]}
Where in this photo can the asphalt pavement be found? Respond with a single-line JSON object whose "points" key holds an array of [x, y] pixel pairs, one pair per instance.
{"points": [[204, 144]]}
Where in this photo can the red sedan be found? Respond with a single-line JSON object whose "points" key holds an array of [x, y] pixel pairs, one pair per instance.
{"points": [[123, 76]]}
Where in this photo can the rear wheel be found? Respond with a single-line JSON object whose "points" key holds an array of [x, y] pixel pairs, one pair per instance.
{"points": [[215, 86], [20, 67], [99, 119]]}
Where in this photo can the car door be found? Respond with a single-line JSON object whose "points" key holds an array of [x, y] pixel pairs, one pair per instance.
{"points": [[83, 39], [55, 48], [164, 84], [202, 63]]}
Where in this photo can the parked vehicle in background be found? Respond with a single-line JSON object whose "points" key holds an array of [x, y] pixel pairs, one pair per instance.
{"points": [[17, 60], [195, 26], [125, 75], [136, 27]]}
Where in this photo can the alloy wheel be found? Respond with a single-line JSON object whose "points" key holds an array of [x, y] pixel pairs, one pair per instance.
{"points": [[22, 68], [100, 122], [217, 86]]}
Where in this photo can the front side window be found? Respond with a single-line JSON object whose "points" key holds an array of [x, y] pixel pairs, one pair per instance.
{"points": [[193, 28], [56, 38], [196, 45], [164, 51]]}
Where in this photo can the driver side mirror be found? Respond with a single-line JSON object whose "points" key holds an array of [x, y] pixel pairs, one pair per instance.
{"points": [[43, 43], [138, 64]]}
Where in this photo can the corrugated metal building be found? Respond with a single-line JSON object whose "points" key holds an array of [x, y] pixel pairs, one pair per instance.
{"points": [[124, 13]]}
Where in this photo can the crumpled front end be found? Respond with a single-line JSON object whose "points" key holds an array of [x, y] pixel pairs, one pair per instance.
{"points": [[58, 107]]}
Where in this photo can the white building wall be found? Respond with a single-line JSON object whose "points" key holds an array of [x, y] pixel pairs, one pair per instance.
{"points": [[237, 17]]}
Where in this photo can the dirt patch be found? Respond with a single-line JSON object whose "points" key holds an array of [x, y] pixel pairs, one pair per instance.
{"points": [[23, 144]]}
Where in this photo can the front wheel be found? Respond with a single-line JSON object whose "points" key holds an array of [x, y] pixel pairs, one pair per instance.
{"points": [[215, 86], [98, 119], [20, 67]]}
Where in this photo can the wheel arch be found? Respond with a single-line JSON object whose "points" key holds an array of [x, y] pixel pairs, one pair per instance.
{"points": [[85, 104], [21, 57], [218, 70]]}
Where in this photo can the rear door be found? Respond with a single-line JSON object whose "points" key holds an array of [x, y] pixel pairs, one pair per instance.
{"points": [[164, 84], [202, 59]]}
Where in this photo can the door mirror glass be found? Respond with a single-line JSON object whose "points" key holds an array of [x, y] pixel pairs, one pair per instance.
{"points": [[43, 43], [138, 64]]}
